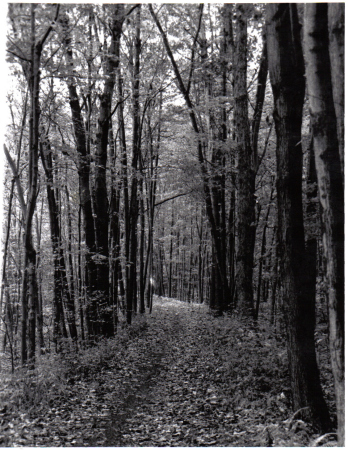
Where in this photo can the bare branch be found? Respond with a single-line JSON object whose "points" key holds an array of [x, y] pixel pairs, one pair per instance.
{"points": [[201, 6], [132, 9], [49, 29], [17, 180], [173, 197]]}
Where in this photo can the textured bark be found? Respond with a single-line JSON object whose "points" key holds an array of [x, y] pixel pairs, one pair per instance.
{"points": [[142, 252], [286, 68], [330, 184], [15, 180], [336, 16], [71, 282], [151, 186], [245, 176], [262, 255]]}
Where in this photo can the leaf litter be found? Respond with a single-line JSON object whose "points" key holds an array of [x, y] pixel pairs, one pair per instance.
{"points": [[179, 377]]}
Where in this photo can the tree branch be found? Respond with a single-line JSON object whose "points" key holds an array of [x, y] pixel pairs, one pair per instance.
{"points": [[17, 56], [49, 29], [201, 6], [17, 180], [172, 198], [132, 9]]}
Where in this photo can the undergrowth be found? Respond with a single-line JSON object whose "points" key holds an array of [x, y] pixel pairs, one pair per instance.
{"points": [[219, 361], [34, 390]]}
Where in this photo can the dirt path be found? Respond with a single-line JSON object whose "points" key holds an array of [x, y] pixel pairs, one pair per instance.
{"points": [[161, 388]]}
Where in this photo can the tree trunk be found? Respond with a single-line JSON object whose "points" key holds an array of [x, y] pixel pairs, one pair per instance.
{"points": [[15, 180], [262, 256], [134, 210], [115, 231], [101, 206], [30, 292], [83, 168], [286, 69], [245, 175], [330, 182], [61, 291], [71, 291], [336, 48]]}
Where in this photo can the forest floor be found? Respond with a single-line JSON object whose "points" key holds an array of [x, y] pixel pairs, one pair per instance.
{"points": [[177, 377]]}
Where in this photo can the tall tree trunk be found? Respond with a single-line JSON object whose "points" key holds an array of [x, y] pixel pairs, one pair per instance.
{"points": [[245, 175], [115, 231], [286, 69], [131, 266], [151, 197], [101, 206], [15, 180], [262, 256], [71, 285], [61, 288], [83, 168], [29, 292], [330, 181], [141, 251], [336, 16]]}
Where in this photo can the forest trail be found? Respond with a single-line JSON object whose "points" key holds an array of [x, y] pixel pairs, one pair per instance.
{"points": [[173, 394], [178, 377]]}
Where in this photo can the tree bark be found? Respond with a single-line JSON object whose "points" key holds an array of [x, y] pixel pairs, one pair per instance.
{"points": [[330, 182], [336, 15], [245, 175], [133, 208], [286, 68]]}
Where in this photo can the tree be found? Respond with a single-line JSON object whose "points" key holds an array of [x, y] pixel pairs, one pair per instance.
{"points": [[31, 64], [131, 230], [246, 173], [100, 309], [286, 68], [101, 207], [82, 140], [62, 293], [322, 71], [336, 50]]}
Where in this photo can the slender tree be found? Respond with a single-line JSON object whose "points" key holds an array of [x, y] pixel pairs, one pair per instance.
{"points": [[31, 64], [136, 157], [245, 175]]}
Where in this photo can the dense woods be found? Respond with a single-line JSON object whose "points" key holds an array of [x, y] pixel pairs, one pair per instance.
{"points": [[185, 151]]}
